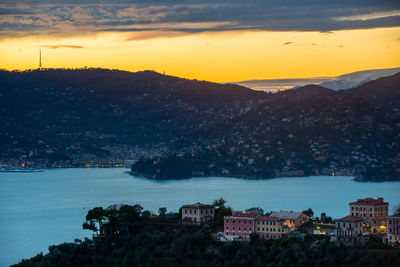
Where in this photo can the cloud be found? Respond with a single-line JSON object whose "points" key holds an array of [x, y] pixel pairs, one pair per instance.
{"points": [[62, 46], [80, 17], [288, 43]]}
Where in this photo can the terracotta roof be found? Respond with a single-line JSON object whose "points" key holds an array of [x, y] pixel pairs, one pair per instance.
{"points": [[287, 215], [350, 218], [244, 215], [369, 201], [198, 205], [378, 218], [268, 218]]}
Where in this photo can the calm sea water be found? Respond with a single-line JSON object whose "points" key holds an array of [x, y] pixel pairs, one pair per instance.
{"points": [[41, 209]]}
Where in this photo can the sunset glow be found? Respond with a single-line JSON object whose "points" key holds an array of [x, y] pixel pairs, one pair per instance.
{"points": [[220, 57], [186, 40]]}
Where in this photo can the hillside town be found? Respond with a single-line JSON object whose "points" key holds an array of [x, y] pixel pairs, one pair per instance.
{"points": [[367, 217]]}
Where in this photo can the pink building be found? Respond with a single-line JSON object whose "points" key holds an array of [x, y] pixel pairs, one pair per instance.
{"points": [[197, 214], [393, 228], [292, 219], [239, 225], [349, 231]]}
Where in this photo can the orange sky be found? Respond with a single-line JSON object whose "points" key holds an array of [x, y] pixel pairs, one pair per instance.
{"points": [[216, 56]]}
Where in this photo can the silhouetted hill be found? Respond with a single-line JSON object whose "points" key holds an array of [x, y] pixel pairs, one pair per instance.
{"points": [[383, 91], [57, 113], [183, 128]]}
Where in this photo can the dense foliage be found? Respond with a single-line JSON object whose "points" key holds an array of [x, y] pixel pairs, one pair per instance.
{"points": [[166, 246]]}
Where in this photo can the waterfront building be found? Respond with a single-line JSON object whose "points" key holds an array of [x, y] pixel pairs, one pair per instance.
{"points": [[239, 225], [292, 219], [393, 228], [349, 231], [197, 214], [269, 227], [373, 211]]}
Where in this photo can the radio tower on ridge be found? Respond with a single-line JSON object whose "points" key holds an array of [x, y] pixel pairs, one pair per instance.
{"points": [[40, 59]]}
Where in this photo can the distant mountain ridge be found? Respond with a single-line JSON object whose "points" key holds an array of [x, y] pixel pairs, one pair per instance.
{"points": [[344, 81], [178, 128]]}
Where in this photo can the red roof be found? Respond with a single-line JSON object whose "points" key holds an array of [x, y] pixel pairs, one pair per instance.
{"points": [[244, 215], [369, 201], [268, 218], [198, 205], [350, 218]]}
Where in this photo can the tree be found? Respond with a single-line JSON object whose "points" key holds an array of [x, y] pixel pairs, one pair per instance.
{"points": [[309, 212], [129, 213], [146, 214], [220, 211], [94, 215], [90, 225], [162, 211], [219, 203]]}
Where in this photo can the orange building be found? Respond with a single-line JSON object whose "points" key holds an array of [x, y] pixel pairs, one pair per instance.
{"points": [[269, 227], [373, 211]]}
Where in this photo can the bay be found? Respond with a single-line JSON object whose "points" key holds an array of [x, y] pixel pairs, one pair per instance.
{"points": [[45, 208]]}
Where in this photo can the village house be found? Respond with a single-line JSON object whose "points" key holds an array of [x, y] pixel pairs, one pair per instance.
{"points": [[197, 214], [373, 211], [393, 228], [349, 231], [269, 227], [292, 219], [239, 225]]}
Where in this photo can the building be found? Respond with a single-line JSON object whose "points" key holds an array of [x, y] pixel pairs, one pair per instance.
{"points": [[393, 228], [197, 214], [255, 210], [349, 231], [369, 208], [239, 225], [292, 219], [374, 211], [269, 227]]}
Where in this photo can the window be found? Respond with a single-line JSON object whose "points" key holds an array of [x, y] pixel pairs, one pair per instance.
{"points": [[227, 228], [227, 221], [352, 208], [238, 221], [244, 221], [185, 211], [245, 229], [258, 228], [263, 229], [190, 211], [240, 228], [356, 208], [263, 222], [249, 229], [233, 221], [201, 211], [352, 214], [195, 211], [233, 228]]}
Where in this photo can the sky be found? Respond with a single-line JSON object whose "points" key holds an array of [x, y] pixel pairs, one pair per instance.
{"points": [[219, 41]]}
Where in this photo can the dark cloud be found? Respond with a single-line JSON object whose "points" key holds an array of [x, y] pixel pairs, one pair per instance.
{"points": [[78, 16], [288, 43], [62, 46]]}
